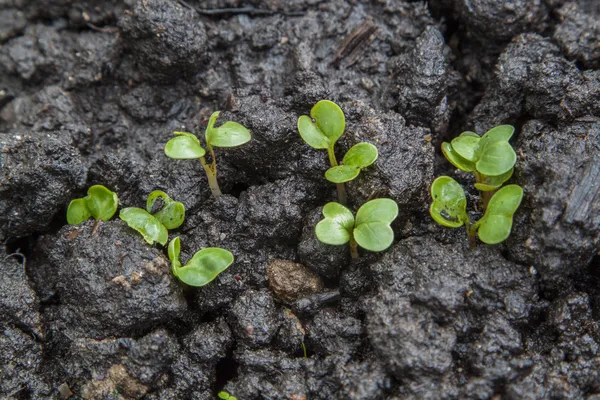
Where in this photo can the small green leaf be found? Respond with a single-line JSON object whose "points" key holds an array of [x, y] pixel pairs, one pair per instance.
{"points": [[466, 146], [78, 212], [469, 133], [361, 155], [449, 207], [378, 210], [205, 266], [174, 251], [148, 226], [102, 202], [311, 134], [342, 173], [171, 215], [329, 124], [456, 159], [223, 395], [492, 183], [230, 134], [374, 236], [496, 159], [336, 227], [184, 147], [496, 223], [500, 133]]}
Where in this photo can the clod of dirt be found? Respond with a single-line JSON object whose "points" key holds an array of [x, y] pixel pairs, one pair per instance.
{"points": [[41, 173], [331, 332], [209, 342], [290, 336], [118, 385], [254, 318], [579, 34], [290, 280]]}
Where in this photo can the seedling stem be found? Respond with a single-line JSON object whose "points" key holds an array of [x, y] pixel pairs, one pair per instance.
{"points": [[484, 196], [353, 248], [211, 173], [341, 188]]}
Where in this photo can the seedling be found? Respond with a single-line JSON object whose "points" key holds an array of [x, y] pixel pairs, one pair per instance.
{"points": [[186, 146], [99, 203], [358, 157], [370, 230], [449, 208], [225, 396], [153, 226], [490, 157], [203, 267]]}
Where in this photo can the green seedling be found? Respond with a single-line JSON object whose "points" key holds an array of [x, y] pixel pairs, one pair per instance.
{"points": [[358, 157], [490, 157], [186, 146], [100, 203], [172, 213], [449, 208], [370, 229], [203, 267], [225, 396]]}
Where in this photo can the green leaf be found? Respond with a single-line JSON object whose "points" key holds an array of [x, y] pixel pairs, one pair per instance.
{"points": [[102, 202], [496, 159], [466, 147], [205, 266], [496, 223], [449, 207], [329, 124], [336, 227], [230, 134], [311, 134], [78, 212], [174, 251], [223, 395], [171, 215], [456, 159], [492, 183], [361, 155], [469, 133], [374, 236], [378, 210], [500, 133], [148, 226], [184, 147], [342, 173]]}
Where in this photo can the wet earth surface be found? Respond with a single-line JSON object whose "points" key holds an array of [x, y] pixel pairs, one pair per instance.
{"points": [[90, 92]]}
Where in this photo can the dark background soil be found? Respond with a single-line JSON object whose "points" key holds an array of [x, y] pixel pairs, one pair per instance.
{"points": [[90, 91]]}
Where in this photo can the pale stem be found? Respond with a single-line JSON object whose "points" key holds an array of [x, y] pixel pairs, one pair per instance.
{"points": [[472, 232], [211, 174], [485, 197], [341, 189]]}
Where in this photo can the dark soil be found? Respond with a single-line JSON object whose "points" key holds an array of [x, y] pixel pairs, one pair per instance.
{"points": [[90, 91]]}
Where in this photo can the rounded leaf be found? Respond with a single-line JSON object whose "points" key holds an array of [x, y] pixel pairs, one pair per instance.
{"points": [[466, 147], [311, 134], [341, 214], [155, 195], [330, 119], [361, 155], [374, 236], [173, 251], [78, 212], [496, 224], [148, 226], [500, 133], [492, 183], [205, 266], [336, 227], [456, 159], [496, 159], [342, 173], [172, 215], [449, 207], [184, 147], [230, 134], [378, 210], [101, 202]]}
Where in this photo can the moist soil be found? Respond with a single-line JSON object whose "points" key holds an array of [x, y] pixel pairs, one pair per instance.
{"points": [[90, 92]]}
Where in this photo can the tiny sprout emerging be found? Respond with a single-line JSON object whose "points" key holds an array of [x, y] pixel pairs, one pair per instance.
{"points": [[173, 212], [358, 157], [100, 203], [186, 146], [370, 230], [225, 396], [321, 130], [204, 266], [449, 208]]}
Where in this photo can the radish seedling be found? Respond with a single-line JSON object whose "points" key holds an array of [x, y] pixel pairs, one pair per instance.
{"points": [[99, 203], [202, 268], [186, 146], [370, 230], [358, 157], [449, 208]]}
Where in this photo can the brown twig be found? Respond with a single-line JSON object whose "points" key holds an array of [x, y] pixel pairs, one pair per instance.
{"points": [[353, 44]]}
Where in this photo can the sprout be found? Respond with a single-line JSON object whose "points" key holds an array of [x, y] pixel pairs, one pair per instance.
{"points": [[490, 157], [186, 146], [358, 157], [370, 230], [153, 226], [225, 396], [204, 266], [99, 203], [449, 208]]}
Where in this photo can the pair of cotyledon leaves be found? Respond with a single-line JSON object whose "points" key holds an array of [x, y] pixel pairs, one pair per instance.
{"points": [[203, 267], [491, 155], [100, 203], [449, 208], [323, 128], [153, 226], [187, 146], [371, 227]]}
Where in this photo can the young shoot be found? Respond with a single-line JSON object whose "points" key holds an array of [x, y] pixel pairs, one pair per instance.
{"points": [[186, 146], [449, 208], [370, 229], [171, 215], [321, 130], [358, 157], [225, 396], [489, 157], [202, 268], [100, 203]]}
